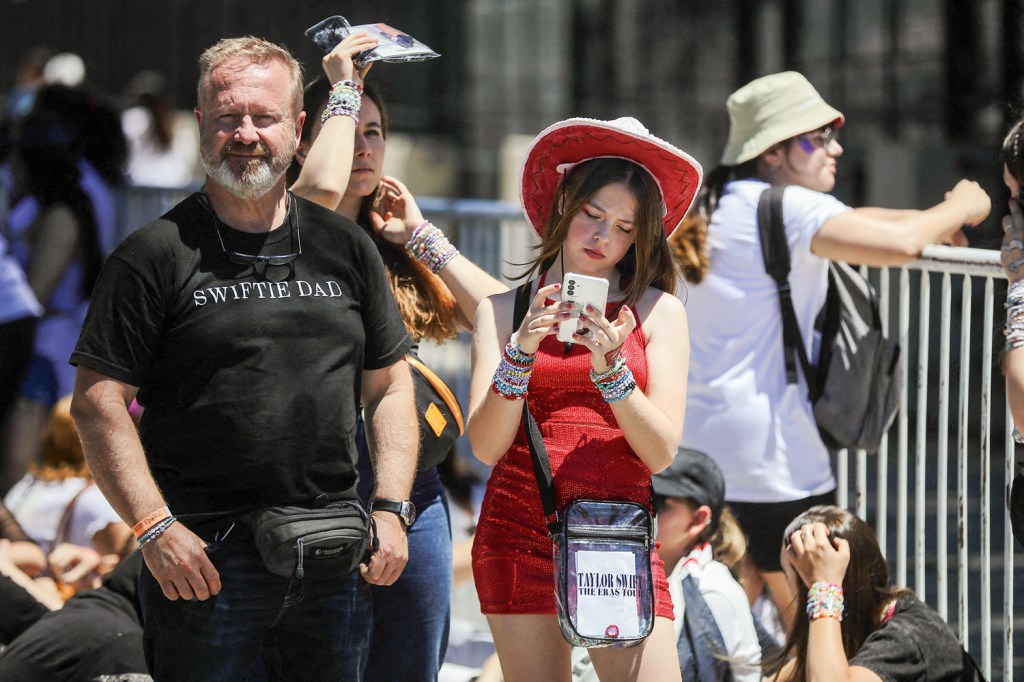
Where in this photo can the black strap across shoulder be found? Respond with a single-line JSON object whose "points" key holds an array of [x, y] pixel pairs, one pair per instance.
{"points": [[538, 453], [775, 251]]}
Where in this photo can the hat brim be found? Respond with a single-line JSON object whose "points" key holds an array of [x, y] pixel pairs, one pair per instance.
{"points": [[570, 142]]}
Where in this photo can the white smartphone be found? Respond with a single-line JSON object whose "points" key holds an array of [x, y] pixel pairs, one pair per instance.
{"points": [[581, 290]]}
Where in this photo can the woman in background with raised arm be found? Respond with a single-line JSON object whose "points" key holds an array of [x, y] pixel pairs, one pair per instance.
{"points": [[437, 289]]}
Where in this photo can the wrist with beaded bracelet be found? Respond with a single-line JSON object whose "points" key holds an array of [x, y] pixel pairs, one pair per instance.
{"points": [[615, 383], [344, 100], [430, 246], [825, 600], [512, 378]]}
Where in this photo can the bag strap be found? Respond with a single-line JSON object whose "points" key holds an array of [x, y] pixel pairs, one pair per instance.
{"points": [[538, 453], [775, 251], [442, 388], [64, 526]]}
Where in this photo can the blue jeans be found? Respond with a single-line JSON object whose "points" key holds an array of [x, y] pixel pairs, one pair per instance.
{"points": [[411, 617], [303, 630]]}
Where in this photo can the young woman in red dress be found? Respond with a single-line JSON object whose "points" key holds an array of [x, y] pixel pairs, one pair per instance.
{"points": [[602, 196]]}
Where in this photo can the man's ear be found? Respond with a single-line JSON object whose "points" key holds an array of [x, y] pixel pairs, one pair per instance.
{"points": [[199, 116], [300, 152]]}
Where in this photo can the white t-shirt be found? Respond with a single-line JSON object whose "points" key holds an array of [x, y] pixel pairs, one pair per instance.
{"points": [[739, 408], [38, 507], [729, 607]]}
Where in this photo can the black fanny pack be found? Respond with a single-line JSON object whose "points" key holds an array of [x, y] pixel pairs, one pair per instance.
{"points": [[317, 543]]}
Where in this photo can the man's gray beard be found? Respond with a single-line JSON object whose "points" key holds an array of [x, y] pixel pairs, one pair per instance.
{"points": [[257, 178]]}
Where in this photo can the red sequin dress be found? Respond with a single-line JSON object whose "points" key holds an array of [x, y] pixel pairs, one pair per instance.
{"points": [[512, 559]]}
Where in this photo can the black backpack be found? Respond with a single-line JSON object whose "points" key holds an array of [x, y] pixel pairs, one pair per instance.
{"points": [[853, 390]]}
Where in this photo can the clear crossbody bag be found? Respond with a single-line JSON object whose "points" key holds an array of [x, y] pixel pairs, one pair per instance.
{"points": [[604, 590]]}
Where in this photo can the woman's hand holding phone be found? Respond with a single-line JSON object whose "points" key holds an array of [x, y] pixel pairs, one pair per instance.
{"points": [[542, 319]]}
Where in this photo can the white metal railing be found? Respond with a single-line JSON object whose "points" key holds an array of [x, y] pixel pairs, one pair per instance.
{"points": [[494, 234]]}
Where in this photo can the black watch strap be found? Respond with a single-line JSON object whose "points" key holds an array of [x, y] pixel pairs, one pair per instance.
{"points": [[404, 509]]}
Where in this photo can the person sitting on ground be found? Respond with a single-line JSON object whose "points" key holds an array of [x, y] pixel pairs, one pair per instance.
{"points": [[57, 502], [858, 626], [96, 636]]}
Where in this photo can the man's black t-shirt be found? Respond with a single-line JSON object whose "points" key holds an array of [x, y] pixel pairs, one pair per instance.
{"points": [[251, 387], [915, 644]]}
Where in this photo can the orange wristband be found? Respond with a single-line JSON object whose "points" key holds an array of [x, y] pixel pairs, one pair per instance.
{"points": [[150, 520]]}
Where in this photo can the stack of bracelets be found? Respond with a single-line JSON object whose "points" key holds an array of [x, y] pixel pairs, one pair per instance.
{"points": [[512, 378], [153, 525], [431, 247], [1015, 327], [616, 382], [825, 600], [345, 99]]}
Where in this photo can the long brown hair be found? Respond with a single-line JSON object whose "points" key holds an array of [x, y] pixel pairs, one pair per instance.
{"points": [[689, 242], [425, 302], [866, 588], [648, 263], [61, 456]]}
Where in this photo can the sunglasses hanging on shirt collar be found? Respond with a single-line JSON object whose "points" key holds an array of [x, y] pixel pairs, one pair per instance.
{"points": [[271, 267]]}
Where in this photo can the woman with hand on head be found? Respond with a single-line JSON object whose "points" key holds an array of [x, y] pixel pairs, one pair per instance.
{"points": [[740, 409], [858, 627], [437, 289], [602, 196]]}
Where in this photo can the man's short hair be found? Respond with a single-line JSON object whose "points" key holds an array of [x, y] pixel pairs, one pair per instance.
{"points": [[251, 50]]}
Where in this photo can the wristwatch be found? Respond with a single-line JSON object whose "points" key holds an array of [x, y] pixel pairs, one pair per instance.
{"points": [[405, 509]]}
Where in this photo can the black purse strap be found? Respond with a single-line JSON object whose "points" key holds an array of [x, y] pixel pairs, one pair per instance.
{"points": [[538, 452], [775, 251]]}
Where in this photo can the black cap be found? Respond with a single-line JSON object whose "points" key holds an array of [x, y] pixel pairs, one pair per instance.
{"points": [[695, 476]]}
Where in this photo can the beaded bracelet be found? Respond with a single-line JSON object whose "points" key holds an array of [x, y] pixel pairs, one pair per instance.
{"points": [[1015, 315], [156, 531], [616, 382], [825, 600], [149, 520], [430, 246], [344, 100], [512, 378]]}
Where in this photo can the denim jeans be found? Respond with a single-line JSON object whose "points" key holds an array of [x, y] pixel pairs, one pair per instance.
{"points": [[303, 630], [411, 617]]}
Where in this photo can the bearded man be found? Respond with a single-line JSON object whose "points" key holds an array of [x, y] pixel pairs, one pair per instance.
{"points": [[250, 324]]}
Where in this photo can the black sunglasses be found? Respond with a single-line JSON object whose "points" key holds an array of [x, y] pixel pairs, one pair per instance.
{"points": [[252, 258]]}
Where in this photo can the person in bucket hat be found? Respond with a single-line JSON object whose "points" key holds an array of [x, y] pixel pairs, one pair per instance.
{"points": [[602, 196], [740, 408]]}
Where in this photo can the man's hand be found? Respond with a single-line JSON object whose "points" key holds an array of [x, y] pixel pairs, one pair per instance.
{"points": [[177, 559], [389, 560]]}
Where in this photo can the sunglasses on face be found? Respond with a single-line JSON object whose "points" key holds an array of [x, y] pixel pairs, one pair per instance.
{"points": [[819, 138]]}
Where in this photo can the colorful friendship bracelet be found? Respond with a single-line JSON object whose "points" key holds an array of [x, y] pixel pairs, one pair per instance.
{"points": [[616, 382], [149, 520], [512, 378], [825, 600], [429, 245], [345, 99], [156, 531]]}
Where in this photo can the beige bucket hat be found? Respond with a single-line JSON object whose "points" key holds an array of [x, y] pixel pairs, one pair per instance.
{"points": [[771, 109]]}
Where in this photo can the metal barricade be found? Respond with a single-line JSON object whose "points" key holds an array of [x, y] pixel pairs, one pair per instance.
{"points": [[941, 372]]}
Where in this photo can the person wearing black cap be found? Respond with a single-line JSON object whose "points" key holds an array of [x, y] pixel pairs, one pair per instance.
{"points": [[716, 635]]}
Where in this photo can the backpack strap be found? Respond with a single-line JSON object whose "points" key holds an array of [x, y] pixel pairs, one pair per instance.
{"points": [[775, 251]]}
